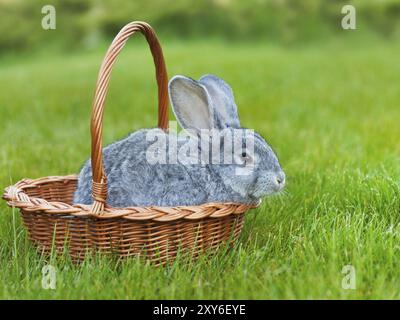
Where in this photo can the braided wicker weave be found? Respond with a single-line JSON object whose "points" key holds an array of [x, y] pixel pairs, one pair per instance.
{"points": [[157, 233]]}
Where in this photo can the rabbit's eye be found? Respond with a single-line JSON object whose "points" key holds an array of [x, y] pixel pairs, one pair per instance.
{"points": [[246, 158]]}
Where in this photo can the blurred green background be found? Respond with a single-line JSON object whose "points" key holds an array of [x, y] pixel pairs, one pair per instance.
{"points": [[87, 22], [327, 100]]}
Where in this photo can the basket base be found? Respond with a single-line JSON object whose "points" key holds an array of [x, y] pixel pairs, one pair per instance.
{"points": [[156, 233], [155, 241]]}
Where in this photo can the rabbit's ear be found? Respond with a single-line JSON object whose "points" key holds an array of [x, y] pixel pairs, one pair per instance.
{"points": [[221, 94], [191, 103]]}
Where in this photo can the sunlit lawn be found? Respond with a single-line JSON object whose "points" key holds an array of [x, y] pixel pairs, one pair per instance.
{"points": [[332, 114]]}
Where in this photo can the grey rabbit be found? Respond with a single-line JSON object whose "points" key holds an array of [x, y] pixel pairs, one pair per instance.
{"points": [[133, 180]]}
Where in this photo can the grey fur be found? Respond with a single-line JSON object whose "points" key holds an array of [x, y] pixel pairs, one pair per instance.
{"points": [[133, 181], [224, 103]]}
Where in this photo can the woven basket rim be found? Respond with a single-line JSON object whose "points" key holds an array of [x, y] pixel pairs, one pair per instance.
{"points": [[16, 196]]}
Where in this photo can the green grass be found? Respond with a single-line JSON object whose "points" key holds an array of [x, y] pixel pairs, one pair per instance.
{"points": [[332, 113]]}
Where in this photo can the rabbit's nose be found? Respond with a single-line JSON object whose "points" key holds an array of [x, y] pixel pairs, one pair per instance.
{"points": [[280, 179]]}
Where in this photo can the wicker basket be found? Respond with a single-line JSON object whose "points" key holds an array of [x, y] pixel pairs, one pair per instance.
{"points": [[157, 233]]}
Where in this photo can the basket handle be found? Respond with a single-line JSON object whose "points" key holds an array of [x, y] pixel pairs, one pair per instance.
{"points": [[99, 179]]}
